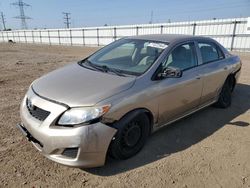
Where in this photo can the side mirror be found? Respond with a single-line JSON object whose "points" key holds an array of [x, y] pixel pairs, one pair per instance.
{"points": [[170, 72]]}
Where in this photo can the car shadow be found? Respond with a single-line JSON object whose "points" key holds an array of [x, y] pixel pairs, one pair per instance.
{"points": [[182, 134]]}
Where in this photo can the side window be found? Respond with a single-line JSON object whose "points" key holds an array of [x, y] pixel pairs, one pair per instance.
{"points": [[210, 52], [124, 50], [182, 57]]}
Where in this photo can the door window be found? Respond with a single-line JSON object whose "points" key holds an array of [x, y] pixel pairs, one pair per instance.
{"points": [[210, 52], [182, 57]]}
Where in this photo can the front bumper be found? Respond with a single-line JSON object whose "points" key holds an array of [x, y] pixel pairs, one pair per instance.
{"points": [[89, 142]]}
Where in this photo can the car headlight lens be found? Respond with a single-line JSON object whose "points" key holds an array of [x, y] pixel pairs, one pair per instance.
{"points": [[75, 116]]}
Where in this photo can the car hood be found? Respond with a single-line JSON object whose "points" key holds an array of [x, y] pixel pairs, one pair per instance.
{"points": [[74, 85]]}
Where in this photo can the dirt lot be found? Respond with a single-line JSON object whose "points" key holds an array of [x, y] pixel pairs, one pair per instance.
{"points": [[208, 149]]}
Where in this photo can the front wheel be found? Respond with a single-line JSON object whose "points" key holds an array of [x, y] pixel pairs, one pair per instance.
{"points": [[131, 136]]}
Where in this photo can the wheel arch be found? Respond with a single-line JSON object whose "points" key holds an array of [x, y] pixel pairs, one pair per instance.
{"points": [[133, 113], [231, 78]]}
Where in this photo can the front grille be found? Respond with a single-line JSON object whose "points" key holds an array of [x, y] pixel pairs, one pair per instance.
{"points": [[36, 112], [70, 152]]}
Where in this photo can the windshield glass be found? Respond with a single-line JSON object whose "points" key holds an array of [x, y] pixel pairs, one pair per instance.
{"points": [[129, 56]]}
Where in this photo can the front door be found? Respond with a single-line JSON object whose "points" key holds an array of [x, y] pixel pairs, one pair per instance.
{"points": [[180, 95]]}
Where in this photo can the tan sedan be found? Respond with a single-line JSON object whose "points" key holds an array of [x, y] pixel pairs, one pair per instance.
{"points": [[110, 102]]}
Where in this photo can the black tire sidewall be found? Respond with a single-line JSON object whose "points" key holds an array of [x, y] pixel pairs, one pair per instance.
{"points": [[225, 95], [116, 149]]}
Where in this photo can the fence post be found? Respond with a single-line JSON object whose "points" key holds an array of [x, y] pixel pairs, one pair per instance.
{"points": [[32, 34], [233, 35], [83, 37], [194, 28], [115, 36], [98, 42], [13, 36], [70, 35], [18, 34], [7, 36], [2, 36], [137, 30], [40, 33], [59, 39], [25, 38], [161, 29], [49, 37]]}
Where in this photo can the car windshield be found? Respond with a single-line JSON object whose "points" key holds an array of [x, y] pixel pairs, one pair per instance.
{"points": [[128, 56]]}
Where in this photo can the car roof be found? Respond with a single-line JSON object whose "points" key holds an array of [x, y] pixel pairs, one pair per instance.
{"points": [[169, 38]]}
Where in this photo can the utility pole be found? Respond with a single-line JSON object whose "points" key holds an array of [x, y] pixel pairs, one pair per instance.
{"points": [[151, 17], [3, 21], [66, 19], [22, 16]]}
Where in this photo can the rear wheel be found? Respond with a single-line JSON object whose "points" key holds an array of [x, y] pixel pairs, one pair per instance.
{"points": [[131, 136], [225, 97]]}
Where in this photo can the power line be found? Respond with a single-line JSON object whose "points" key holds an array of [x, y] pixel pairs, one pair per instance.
{"points": [[197, 9], [66, 19], [22, 16], [174, 12], [3, 20]]}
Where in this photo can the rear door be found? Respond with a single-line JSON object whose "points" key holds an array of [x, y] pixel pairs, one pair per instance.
{"points": [[214, 70]]}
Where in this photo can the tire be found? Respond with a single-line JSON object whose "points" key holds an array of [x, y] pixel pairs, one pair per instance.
{"points": [[225, 97], [232, 83], [133, 131]]}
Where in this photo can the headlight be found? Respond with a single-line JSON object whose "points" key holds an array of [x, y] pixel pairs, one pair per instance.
{"points": [[82, 115]]}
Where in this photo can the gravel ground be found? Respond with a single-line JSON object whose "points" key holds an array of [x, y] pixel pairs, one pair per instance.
{"points": [[208, 149]]}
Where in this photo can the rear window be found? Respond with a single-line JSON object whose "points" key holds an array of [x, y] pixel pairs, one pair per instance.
{"points": [[210, 52]]}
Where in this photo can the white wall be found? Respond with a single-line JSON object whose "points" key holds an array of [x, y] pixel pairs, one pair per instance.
{"points": [[232, 33]]}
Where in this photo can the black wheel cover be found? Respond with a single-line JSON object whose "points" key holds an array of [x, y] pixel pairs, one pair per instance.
{"points": [[131, 136]]}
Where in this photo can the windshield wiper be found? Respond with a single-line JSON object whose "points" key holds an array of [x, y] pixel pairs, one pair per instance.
{"points": [[84, 64], [88, 64], [108, 69], [103, 68]]}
